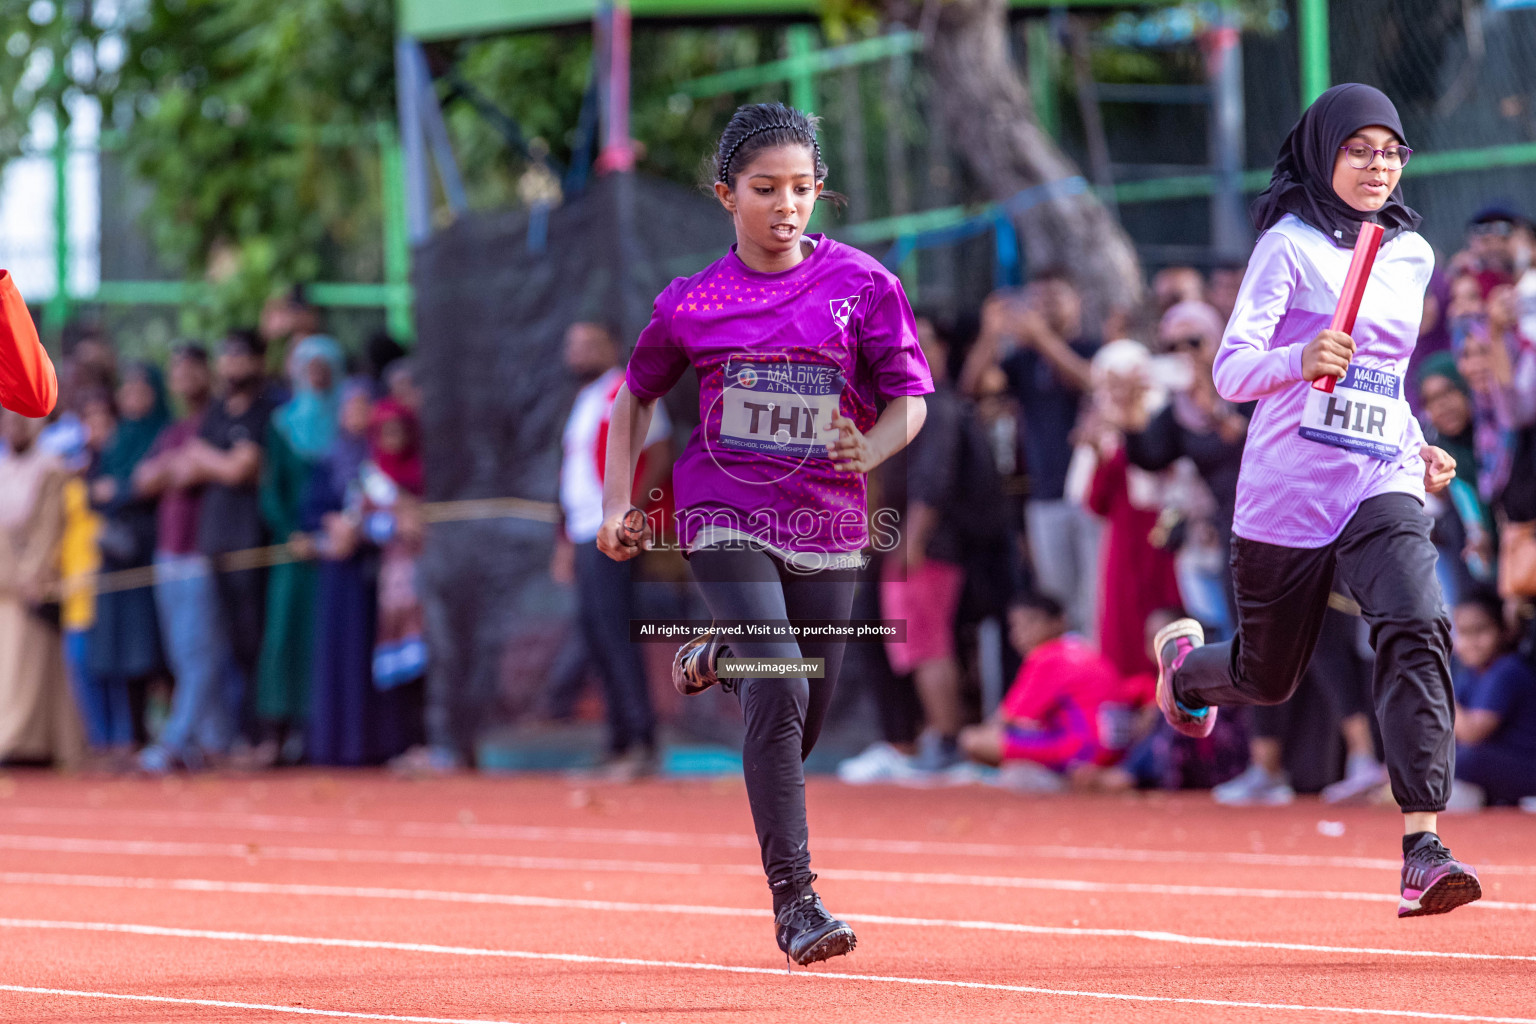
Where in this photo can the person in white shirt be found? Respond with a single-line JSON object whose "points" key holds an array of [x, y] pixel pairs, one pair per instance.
{"points": [[604, 587]]}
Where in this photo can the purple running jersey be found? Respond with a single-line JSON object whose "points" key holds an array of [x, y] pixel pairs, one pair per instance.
{"points": [[775, 355], [1312, 458]]}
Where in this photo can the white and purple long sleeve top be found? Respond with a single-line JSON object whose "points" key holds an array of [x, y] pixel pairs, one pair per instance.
{"points": [[1294, 490]]}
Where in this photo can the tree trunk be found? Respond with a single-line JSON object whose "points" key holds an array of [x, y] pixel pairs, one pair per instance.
{"points": [[987, 109]]}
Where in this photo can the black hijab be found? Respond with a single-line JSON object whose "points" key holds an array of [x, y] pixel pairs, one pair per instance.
{"points": [[1302, 182]]}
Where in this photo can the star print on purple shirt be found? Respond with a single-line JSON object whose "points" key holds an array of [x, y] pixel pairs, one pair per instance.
{"points": [[775, 354]]}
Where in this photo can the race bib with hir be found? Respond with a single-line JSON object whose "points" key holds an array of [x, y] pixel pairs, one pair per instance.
{"points": [[779, 406], [1365, 413]]}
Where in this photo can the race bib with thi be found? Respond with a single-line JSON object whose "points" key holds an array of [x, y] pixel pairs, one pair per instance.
{"points": [[780, 407], [1365, 413]]}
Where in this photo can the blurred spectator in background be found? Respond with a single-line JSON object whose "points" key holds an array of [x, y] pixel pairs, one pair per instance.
{"points": [[1226, 279], [1197, 424], [922, 579], [89, 364], [1136, 577], [1495, 708], [1491, 256], [1173, 285], [1434, 331], [301, 433], [400, 380], [1463, 532], [1041, 344], [79, 561], [392, 486], [1049, 719], [80, 553], [225, 460], [193, 633], [352, 722], [1500, 370], [286, 319], [605, 593], [123, 646], [947, 490], [38, 718]]}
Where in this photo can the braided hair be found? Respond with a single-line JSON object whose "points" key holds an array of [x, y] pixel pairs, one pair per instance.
{"points": [[759, 126]]}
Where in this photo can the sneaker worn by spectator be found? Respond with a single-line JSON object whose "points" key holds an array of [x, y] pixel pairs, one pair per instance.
{"points": [[636, 763], [1173, 644], [880, 762], [1434, 881], [805, 931], [1363, 776], [1255, 787], [936, 753]]}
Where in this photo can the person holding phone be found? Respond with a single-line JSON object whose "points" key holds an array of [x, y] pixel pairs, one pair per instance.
{"points": [[1038, 339], [1335, 483]]}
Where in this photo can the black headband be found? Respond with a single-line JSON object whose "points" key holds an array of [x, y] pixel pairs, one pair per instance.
{"points": [[725, 165]]}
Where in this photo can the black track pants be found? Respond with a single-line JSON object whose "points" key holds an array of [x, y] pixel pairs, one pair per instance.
{"points": [[1385, 558]]}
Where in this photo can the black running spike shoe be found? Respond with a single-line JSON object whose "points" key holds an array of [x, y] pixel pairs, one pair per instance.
{"points": [[1435, 882], [693, 667], [806, 932]]}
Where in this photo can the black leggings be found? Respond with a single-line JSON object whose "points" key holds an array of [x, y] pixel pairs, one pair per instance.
{"points": [[783, 716]]}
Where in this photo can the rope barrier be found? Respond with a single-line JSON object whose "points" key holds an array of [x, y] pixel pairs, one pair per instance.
{"points": [[469, 510]]}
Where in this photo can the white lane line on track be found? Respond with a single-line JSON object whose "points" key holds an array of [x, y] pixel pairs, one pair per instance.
{"points": [[580, 958], [203, 885], [695, 840], [226, 1004], [253, 852]]}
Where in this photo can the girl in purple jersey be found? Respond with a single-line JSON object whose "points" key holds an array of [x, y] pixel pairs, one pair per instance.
{"points": [[797, 341], [1335, 483]]}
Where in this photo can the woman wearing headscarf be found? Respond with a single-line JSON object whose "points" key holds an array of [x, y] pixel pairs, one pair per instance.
{"points": [[1135, 577], [392, 490], [38, 720], [1335, 483], [122, 648], [351, 722], [1463, 533], [301, 435]]}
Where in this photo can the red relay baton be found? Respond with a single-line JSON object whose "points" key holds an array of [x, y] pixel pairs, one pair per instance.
{"points": [[1354, 289]]}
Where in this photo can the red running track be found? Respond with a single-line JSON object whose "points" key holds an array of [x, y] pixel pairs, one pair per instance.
{"points": [[356, 896]]}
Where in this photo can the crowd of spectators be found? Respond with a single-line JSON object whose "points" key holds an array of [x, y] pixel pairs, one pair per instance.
{"points": [[213, 562]]}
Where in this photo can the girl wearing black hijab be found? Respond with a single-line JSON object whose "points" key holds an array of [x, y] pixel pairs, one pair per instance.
{"points": [[1335, 483]]}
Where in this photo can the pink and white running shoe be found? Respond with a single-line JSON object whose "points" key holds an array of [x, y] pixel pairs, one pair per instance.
{"points": [[1173, 644]]}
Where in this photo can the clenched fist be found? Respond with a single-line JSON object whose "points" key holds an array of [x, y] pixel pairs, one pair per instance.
{"points": [[1327, 355]]}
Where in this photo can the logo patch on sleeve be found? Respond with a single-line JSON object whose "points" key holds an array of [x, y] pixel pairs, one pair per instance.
{"points": [[842, 310]]}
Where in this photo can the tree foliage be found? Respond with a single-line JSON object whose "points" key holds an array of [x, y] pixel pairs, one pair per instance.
{"points": [[252, 121], [51, 53], [539, 80]]}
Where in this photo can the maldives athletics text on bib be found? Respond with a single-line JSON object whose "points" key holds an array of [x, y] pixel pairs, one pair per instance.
{"points": [[1364, 413], [779, 406]]}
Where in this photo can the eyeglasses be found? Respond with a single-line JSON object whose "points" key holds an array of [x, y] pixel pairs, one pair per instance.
{"points": [[1171, 345], [1360, 156]]}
